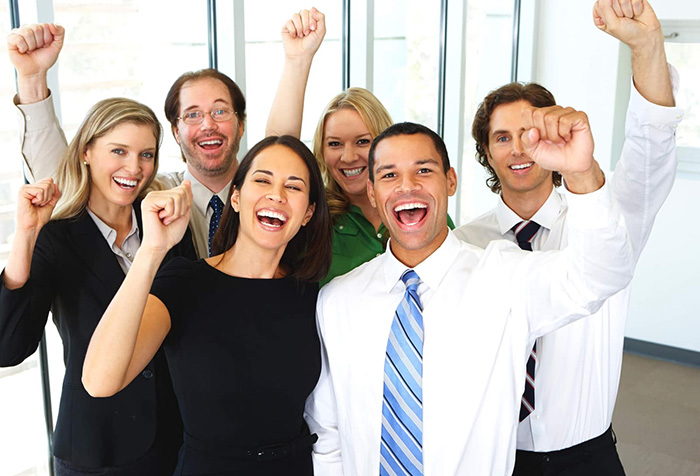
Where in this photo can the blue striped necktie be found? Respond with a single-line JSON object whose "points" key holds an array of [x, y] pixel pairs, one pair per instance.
{"points": [[402, 411], [524, 233], [217, 206]]}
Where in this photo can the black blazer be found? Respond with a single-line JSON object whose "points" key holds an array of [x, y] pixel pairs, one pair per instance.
{"points": [[75, 275]]}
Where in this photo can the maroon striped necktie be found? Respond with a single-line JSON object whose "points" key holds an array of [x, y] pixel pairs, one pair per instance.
{"points": [[524, 232]]}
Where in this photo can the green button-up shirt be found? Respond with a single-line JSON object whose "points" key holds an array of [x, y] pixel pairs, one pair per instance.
{"points": [[355, 241]]}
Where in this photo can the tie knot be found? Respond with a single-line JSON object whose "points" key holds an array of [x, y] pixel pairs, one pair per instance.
{"points": [[524, 232], [411, 280], [216, 204]]}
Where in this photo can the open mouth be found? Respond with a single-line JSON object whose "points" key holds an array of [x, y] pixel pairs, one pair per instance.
{"points": [[271, 218], [410, 213], [210, 144], [521, 166], [353, 172], [125, 184]]}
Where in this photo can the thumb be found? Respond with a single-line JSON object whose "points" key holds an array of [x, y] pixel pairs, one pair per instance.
{"points": [[604, 17], [58, 33], [530, 139]]}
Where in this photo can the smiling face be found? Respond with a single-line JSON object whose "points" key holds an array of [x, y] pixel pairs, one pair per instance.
{"points": [[120, 163], [273, 202], [210, 147], [410, 191], [346, 143], [519, 175]]}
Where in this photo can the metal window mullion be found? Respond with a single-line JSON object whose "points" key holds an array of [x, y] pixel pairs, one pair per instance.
{"points": [[345, 46], [211, 34], [516, 41], [442, 69]]}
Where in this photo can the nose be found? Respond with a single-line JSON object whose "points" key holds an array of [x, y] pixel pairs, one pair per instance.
{"points": [[407, 183], [132, 164], [349, 155], [277, 194], [517, 146], [208, 122]]}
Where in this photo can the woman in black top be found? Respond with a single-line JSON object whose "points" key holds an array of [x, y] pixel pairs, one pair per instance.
{"points": [[238, 328], [69, 256]]}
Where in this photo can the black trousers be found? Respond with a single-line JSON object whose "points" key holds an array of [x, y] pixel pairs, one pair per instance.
{"points": [[595, 457]]}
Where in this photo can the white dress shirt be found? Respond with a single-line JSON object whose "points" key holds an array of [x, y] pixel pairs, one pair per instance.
{"points": [[124, 254], [483, 310], [578, 366]]}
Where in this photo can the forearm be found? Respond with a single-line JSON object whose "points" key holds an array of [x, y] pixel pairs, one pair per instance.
{"points": [[288, 106], [19, 261], [650, 71], [111, 353]]}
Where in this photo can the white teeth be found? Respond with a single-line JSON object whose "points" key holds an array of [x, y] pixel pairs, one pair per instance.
{"points": [[409, 206], [352, 172], [272, 214], [125, 182], [211, 142], [522, 166]]}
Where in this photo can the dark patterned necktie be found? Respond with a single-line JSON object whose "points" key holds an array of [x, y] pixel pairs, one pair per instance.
{"points": [[524, 232], [218, 206]]}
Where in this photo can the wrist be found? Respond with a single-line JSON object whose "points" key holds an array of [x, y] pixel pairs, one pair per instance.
{"points": [[32, 88], [587, 181]]}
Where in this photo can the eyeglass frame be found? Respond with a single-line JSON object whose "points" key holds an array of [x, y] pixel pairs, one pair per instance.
{"points": [[210, 113]]}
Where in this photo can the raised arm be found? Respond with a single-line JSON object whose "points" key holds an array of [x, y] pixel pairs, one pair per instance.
{"points": [[33, 50], [24, 309], [302, 34], [135, 323], [634, 23]]}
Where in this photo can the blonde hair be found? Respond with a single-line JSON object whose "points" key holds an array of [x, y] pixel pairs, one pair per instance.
{"points": [[73, 176], [375, 117]]}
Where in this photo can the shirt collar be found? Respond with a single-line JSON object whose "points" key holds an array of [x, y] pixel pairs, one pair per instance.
{"points": [[201, 194], [545, 216], [108, 233], [431, 271]]}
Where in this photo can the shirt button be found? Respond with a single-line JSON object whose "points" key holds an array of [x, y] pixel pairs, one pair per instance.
{"points": [[128, 255], [148, 373], [545, 459], [379, 235], [341, 227], [379, 254]]}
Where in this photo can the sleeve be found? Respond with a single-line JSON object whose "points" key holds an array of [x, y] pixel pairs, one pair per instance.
{"points": [[173, 285], [647, 168], [321, 414], [24, 311], [554, 288], [42, 139]]}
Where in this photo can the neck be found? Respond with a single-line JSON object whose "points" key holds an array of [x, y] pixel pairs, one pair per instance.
{"points": [[526, 204], [116, 217], [370, 213], [413, 258], [215, 183], [247, 260]]}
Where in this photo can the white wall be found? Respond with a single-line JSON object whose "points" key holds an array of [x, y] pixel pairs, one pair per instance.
{"points": [[579, 65]]}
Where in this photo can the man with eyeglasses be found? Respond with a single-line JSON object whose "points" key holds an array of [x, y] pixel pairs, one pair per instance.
{"points": [[206, 111]]}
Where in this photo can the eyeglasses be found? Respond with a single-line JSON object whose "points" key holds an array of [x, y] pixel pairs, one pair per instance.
{"points": [[197, 116]]}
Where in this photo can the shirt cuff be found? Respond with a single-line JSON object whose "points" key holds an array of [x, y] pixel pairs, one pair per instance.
{"points": [[38, 115], [650, 113], [592, 210]]}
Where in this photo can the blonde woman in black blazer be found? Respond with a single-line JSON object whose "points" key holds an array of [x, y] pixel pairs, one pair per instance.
{"points": [[70, 254]]}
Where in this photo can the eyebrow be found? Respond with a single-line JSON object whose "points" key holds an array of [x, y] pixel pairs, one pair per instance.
{"points": [[291, 177], [126, 146], [417, 162], [196, 106], [356, 137], [503, 131]]}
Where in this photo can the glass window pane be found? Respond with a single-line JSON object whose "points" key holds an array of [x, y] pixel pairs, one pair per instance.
{"points": [[264, 57], [406, 58], [488, 64], [132, 49], [686, 58]]}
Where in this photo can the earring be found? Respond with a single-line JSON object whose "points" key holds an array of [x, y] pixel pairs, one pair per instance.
{"points": [[85, 162]]}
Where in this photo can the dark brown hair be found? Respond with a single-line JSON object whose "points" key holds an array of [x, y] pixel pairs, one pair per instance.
{"points": [[308, 255], [172, 100], [533, 93], [409, 128]]}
